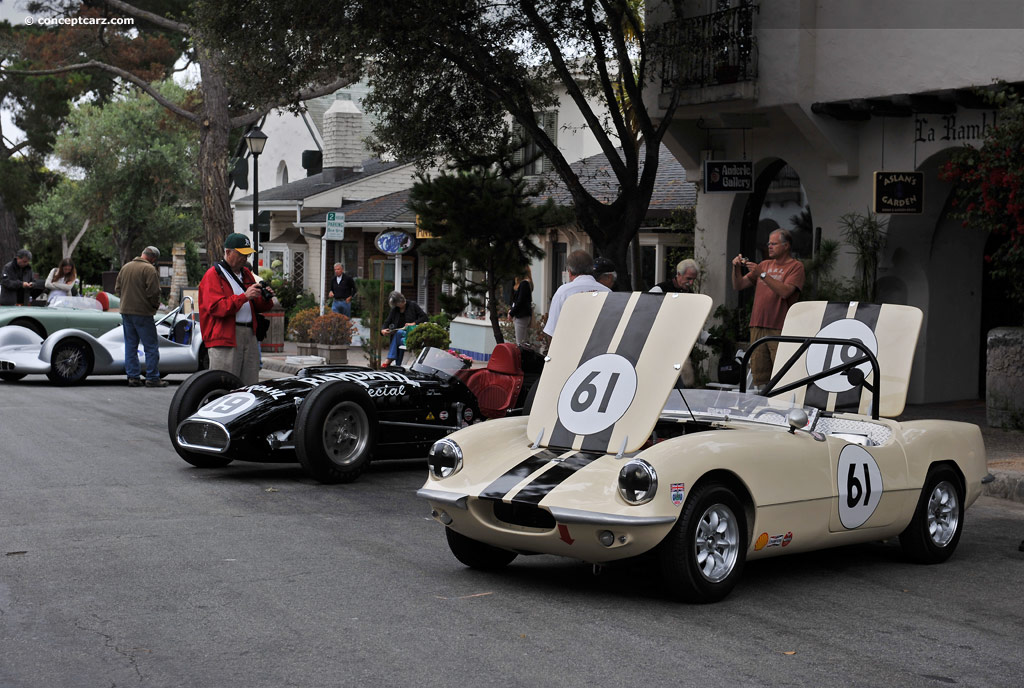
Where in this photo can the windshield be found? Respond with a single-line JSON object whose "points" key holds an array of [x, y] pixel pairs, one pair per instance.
{"points": [[713, 404], [437, 361], [78, 302]]}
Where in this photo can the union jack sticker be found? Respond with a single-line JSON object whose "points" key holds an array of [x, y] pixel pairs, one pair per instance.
{"points": [[678, 492]]}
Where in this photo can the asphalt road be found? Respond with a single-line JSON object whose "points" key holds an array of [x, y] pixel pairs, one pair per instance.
{"points": [[121, 565]]}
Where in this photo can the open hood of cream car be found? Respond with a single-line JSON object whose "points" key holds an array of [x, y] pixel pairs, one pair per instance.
{"points": [[613, 360], [888, 330]]}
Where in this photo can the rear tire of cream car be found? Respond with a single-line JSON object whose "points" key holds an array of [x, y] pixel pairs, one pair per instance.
{"points": [[477, 555], [335, 433], [702, 557], [194, 393], [934, 532]]}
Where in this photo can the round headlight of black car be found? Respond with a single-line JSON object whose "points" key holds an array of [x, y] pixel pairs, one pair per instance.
{"points": [[638, 482], [444, 459]]}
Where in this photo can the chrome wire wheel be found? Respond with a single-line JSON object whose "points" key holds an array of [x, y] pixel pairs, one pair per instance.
{"points": [[346, 433], [943, 513], [69, 362], [716, 543]]}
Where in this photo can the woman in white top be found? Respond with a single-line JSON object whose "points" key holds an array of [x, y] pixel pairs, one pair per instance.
{"points": [[62, 280]]}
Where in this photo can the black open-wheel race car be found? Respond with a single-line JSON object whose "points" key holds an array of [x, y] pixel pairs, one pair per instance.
{"points": [[334, 419]]}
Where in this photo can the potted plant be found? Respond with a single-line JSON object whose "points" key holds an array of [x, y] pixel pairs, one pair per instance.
{"points": [[299, 330], [332, 333], [427, 334]]}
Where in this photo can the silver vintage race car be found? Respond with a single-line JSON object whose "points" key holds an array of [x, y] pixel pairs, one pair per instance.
{"points": [[70, 355], [615, 460]]}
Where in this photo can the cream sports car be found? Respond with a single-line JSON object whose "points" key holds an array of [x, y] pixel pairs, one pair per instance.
{"points": [[615, 460]]}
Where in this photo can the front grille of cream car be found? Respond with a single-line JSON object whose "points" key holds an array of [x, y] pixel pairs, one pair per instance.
{"points": [[526, 515], [203, 435]]}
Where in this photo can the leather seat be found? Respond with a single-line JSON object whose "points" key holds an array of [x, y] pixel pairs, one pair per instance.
{"points": [[497, 386]]}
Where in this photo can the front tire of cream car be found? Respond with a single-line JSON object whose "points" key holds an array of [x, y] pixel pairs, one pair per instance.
{"points": [[702, 557], [477, 555], [934, 532]]}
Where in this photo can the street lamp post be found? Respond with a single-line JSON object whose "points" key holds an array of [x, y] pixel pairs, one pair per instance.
{"points": [[255, 140]]}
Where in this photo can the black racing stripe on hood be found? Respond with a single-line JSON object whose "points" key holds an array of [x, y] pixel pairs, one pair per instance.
{"points": [[500, 487], [815, 396], [867, 313], [600, 339], [547, 481], [631, 346]]}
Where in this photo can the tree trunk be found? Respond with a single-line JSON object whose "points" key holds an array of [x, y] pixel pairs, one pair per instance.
{"points": [[492, 308], [9, 243], [214, 132]]}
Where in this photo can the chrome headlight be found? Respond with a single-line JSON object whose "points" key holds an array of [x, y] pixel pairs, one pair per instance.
{"points": [[444, 459], [638, 482]]}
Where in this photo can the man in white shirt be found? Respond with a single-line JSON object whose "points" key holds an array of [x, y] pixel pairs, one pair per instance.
{"points": [[580, 265]]}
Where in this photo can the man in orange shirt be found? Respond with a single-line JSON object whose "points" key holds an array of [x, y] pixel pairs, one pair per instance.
{"points": [[778, 282]]}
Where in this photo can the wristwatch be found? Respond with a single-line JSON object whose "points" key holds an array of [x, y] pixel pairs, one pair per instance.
{"points": [[763, 275]]}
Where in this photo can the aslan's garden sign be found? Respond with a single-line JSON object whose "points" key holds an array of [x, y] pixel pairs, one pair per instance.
{"points": [[903, 192], [898, 192]]}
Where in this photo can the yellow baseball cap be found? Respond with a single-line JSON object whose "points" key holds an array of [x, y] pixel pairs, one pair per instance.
{"points": [[239, 242]]}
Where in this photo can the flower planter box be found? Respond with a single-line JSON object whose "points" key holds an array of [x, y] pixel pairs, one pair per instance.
{"points": [[333, 354], [307, 349], [1004, 378]]}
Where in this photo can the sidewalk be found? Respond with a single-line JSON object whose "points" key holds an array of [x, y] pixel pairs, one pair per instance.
{"points": [[1005, 448]]}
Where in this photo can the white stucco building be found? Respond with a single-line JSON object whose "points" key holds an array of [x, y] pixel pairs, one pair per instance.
{"points": [[836, 90]]}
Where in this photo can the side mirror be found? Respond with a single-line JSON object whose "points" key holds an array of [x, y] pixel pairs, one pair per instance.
{"points": [[797, 419]]}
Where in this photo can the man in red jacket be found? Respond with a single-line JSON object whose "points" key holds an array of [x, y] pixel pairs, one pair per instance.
{"points": [[229, 300]]}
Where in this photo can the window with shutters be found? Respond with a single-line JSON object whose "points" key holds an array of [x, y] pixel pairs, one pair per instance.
{"points": [[531, 151]]}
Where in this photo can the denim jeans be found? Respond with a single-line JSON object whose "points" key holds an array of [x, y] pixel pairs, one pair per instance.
{"points": [[342, 306], [394, 353], [140, 328]]}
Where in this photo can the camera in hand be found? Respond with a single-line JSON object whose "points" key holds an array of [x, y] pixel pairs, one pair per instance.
{"points": [[265, 290]]}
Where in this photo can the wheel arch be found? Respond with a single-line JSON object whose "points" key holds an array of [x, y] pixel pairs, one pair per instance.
{"points": [[955, 467], [737, 485]]}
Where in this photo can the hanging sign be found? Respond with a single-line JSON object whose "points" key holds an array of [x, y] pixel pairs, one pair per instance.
{"points": [[394, 242], [898, 192], [728, 176], [335, 227]]}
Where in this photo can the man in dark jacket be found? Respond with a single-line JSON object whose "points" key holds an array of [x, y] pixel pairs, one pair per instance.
{"points": [[138, 285], [16, 280], [342, 289], [403, 314]]}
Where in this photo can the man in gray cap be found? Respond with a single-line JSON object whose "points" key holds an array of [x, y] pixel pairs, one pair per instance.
{"points": [[138, 285]]}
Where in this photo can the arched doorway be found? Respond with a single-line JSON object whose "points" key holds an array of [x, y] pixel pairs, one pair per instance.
{"points": [[778, 200]]}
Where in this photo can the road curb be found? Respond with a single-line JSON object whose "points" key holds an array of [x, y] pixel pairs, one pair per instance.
{"points": [[1007, 485], [281, 366]]}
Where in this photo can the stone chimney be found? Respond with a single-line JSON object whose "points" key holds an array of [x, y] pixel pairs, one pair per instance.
{"points": [[343, 146]]}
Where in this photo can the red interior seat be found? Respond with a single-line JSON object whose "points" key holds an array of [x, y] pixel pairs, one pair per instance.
{"points": [[497, 386]]}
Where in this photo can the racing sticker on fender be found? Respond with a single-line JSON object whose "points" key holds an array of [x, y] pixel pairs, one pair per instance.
{"points": [[860, 486], [597, 395], [678, 490], [227, 406]]}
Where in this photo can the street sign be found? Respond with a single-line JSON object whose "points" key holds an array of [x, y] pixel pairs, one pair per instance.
{"points": [[728, 176], [335, 227], [899, 192]]}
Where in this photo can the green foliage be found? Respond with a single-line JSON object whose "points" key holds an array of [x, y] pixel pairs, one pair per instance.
{"points": [[732, 329], [484, 217], [139, 176], [441, 320], [300, 323], [989, 192], [332, 328], [373, 295], [427, 334], [866, 234], [193, 266], [448, 74]]}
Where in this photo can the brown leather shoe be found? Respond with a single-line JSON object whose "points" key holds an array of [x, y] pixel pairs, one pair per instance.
{"points": [[134, 382], [156, 383]]}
